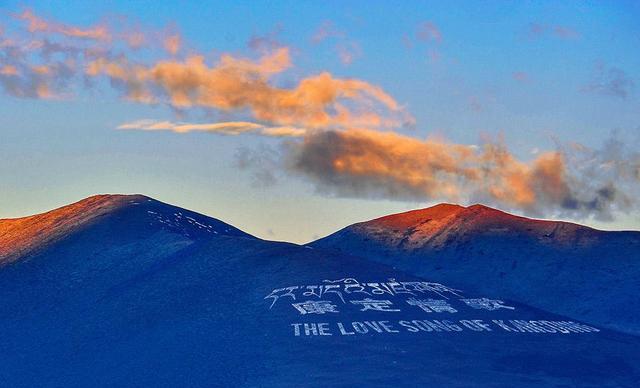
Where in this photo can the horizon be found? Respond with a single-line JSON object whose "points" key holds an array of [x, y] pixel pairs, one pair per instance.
{"points": [[290, 120], [318, 237]]}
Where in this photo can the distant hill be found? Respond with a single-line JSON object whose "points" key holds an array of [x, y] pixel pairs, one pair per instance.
{"points": [[561, 267], [127, 291]]}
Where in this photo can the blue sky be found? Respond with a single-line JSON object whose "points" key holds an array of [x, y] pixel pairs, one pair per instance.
{"points": [[539, 75]]}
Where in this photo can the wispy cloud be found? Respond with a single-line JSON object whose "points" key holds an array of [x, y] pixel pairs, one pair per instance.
{"points": [[539, 30], [75, 57], [266, 42], [38, 24], [610, 81], [43, 58], [223, 128], [521, 76], [172, 43], [326, 30], [428, 32], [348, 52], [347, 49], [235, 84]]}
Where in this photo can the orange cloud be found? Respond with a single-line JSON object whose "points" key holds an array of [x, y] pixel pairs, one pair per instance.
{"points": [[8, 70], [37, 24], [42, 69], [23, 76], [368, 163], [37, 67], [43, 58], [339, 130], [172, 44], [234, 84]]}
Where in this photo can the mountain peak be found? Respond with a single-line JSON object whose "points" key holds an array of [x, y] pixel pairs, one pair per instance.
{"points": [[416, 217], [479, 206], [132, 197], [100, 202], [559, 266], [22, 235], [25, 235], [445, 223]]}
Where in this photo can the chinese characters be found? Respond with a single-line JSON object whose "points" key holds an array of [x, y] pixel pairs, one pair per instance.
{"points": [[379, 297]]}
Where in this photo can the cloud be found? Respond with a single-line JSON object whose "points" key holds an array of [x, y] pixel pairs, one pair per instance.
{"points": [[223, 128], [48, 59], [325, 31], [172, 44], [268, 41], [610, 81], [407, 42], [476, 104], [538, 30], [42, 58], [37, 24], [337, 132], [428, 32], [565, 32], [366, 163], [521, 76], [264, 162], [236, 84], [106, 33], [24, 75], [348, 50], [9, 70]]}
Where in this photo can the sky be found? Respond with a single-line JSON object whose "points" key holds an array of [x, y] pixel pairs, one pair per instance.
{"points": [[293, 119]]}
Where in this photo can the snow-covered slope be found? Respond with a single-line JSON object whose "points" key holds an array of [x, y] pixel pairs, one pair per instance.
{"points": [[562, 267], [147, 294]]}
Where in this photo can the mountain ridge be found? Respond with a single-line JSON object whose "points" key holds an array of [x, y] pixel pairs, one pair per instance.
{"points": [[478, 247], [150, 294], [23, 235], [428, 225], [26, 235], [558, 266]]}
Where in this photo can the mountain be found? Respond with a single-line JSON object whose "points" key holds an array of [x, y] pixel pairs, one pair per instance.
{"points": [[128, 291], [27, 235], [561, 267]]}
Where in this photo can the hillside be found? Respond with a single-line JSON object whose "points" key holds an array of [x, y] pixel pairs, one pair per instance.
{"points": [[27, 235], [148, 294], [561, 267]]}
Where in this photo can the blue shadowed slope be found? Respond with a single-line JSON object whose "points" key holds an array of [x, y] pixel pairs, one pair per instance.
{"points": [[562, 267], [140, 298]]}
